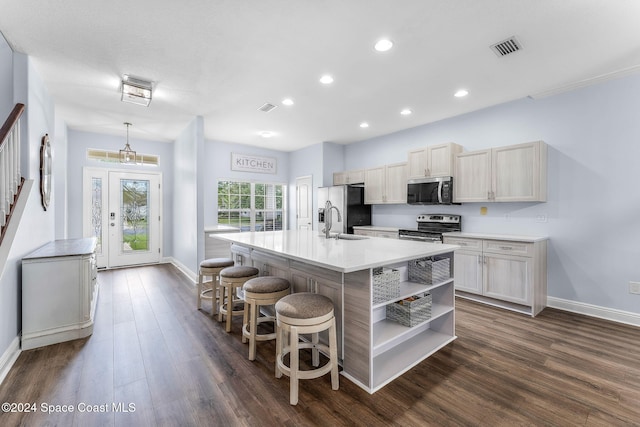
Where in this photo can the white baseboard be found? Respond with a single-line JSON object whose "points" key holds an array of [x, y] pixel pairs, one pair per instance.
{"points": [[180, 266], [9, 358], [595, 311]]}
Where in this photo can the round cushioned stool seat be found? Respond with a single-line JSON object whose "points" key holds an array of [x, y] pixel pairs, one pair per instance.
{"points": [[230, 279], [217, 263], [266, 285], [258, 292], [305, 306], [239, 272], [305, 313], [209, 290]]}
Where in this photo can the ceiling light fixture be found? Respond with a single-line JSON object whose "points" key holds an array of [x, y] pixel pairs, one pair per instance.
{"points": [[461, 93], [406, 112], [326, 79], [136, 91], [266, 134], [383, 45], [287, 101], [127, 155], [364, 125]]}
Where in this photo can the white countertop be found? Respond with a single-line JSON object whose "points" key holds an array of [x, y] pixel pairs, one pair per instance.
{"points": [[220, 229], [507, 237], [339, 255], [66, 247]]}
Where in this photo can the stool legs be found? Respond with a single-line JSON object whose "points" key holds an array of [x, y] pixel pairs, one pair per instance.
{"points": [[292, 346]]}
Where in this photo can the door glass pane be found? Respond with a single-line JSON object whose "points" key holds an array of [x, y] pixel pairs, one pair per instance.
{"points": [[134, 200], [96, 212]]}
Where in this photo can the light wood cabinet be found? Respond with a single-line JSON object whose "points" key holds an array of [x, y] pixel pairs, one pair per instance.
{"points": [[307, 278], [511, 274], [377, 349], [270, 265], [241, 255], [386, 184], [348, 177], [59, 292], [515, 173], [432, 161]]}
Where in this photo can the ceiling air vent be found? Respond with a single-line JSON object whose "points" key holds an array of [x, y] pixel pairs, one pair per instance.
{"points": [[267, 107], [506, 47]]}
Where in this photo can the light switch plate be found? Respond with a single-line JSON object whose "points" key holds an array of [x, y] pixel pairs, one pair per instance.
{"points": [[634, 287]]}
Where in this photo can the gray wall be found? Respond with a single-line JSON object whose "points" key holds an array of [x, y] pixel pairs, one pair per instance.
{"points": [[36, 226], [593, 202], [187, 207]]}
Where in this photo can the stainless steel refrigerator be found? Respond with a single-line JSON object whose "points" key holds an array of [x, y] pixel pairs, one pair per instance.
{"points": [[349, 199]]}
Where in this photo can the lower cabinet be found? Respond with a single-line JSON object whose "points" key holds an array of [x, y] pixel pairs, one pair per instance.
{"points": [[307, 278], [510, 274], [270, 265], [59, 292], [241, 255]]}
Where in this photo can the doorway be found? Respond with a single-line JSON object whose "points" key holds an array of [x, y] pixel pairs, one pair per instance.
{"points": [[123, 211], [304, 203]]}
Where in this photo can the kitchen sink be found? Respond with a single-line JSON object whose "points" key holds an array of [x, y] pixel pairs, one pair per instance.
{"points": [[351, 237]]}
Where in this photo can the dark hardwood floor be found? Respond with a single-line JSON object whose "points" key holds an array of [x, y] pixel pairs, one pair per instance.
{"points": [[151, 348]]}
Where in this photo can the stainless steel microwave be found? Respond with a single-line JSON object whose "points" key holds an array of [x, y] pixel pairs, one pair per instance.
{"points": [[430, 191]]}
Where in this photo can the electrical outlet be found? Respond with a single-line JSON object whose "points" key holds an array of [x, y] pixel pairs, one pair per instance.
{"points": [[541, 218], [634, 288]]}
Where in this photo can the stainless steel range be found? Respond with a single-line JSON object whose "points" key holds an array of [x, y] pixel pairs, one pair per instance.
{"points": [[431, 227]]}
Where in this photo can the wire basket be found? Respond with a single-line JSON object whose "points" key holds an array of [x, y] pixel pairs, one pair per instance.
{"points": [[429, 270], [410, 311], [386, 284]]}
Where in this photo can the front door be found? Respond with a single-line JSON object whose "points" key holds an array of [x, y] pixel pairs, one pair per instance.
{"points": [[122, 210]]}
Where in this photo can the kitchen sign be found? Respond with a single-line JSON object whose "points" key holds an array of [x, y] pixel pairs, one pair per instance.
{"points": [[246, 163]]}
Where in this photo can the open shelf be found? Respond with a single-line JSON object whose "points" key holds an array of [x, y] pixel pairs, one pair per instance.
{"points": [[387, 333], [408, 289], [393, 363]]}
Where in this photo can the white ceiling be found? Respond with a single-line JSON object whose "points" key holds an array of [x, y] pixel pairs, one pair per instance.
{"points": [[223, 59]]}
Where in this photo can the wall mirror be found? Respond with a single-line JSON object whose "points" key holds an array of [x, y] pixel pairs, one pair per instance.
{"points": [[45, 171]]}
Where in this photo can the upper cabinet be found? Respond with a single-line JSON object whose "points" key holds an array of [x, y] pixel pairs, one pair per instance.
{"points": [[434, 160], [386, 184], [348, 177], [515, 173]]}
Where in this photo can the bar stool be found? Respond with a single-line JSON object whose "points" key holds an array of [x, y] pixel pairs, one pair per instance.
{"points": [[258, 292], [232, 278], [211, 267], [305, 313]]}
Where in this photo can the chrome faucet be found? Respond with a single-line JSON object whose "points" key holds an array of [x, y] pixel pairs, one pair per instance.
{"points": [[328, 218]]}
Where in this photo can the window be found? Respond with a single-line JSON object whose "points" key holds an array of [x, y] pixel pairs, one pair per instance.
{"points": [[251, 206], [114, 157]]}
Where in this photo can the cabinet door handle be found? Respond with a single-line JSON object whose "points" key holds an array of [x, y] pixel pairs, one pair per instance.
{"points": [[484, 259], [506, 248], [488, 195]]}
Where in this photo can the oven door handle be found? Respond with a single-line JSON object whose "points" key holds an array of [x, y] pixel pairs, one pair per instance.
{"points": [[440, 192]]}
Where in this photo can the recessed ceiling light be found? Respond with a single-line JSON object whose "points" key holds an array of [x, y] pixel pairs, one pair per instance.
{"points": [[383, 45], [287, 101], [364, 125], [406, 112], [266, 134], [461, 93], [326, 79]]}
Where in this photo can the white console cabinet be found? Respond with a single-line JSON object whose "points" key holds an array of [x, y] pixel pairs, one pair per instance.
{"points": [[59, 292]]}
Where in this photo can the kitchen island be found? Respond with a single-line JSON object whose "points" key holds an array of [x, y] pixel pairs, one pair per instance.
{"points": [[373, 349]]}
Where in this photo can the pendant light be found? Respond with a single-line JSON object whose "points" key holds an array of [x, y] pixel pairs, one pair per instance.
{"points": [[127, 155]]}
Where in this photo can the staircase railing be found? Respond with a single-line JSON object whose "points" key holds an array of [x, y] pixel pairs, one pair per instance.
{"points": [[11, 179]]}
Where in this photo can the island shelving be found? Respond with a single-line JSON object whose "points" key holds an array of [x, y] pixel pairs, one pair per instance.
{"points": [[373, 350]]}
